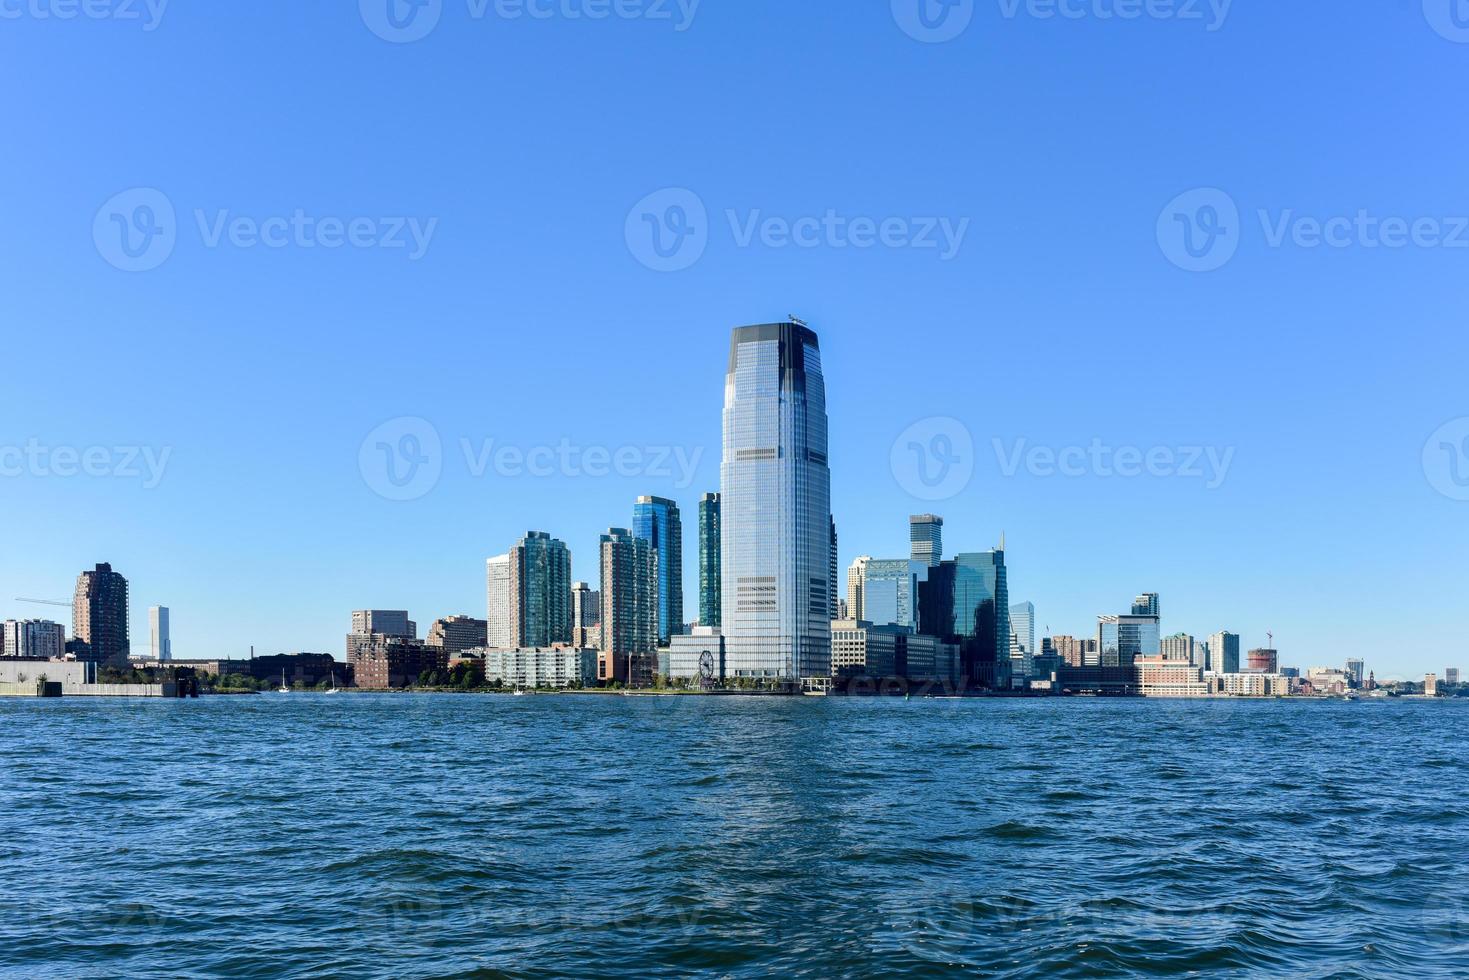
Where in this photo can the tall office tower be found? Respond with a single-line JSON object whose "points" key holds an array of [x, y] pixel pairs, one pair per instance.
{"points": [[966, 600], [657, 521], [1179, 646], [1264, 661], [1122, 639], [1022, 638], [1357, 671], [158, 627], [1451, 675], [384, 622], [890, 591], [926, 532], [38, 639], [834, 600], [455, 634], [586, 615], [1146, 605], [99, 616], [709, 560], [1224, 652], [540, 591], [497, 603], [856, 588], [776, 507], [629, 594]]}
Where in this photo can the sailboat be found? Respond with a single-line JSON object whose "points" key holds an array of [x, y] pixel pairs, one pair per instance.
{"points": [[333, 688], [283, 689]]}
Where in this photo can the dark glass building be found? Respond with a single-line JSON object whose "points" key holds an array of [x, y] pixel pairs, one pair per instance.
{"points": [[967, 601], [657, 521], [709, 560]]}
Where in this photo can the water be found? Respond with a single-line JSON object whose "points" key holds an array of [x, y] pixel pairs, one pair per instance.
{"points": [[430, 836]]}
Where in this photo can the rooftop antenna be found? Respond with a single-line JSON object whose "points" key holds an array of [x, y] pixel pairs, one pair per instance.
{"points": [[797, 320], [1270, 640]]}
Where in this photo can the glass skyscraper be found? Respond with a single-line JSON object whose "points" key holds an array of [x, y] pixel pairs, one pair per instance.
{"points": [[709, 560], [1224, 652], [629, 593], [967, 601], [926, 532], [1122, 639], [775, 507], [540, 591], [890, 591], [657, 521]]}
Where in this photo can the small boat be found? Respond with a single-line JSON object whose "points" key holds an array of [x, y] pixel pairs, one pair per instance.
{"points": [[333, 689], [283, 689]]}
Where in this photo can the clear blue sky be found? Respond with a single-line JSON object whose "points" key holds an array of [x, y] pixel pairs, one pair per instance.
{"points": [[530, 320]]}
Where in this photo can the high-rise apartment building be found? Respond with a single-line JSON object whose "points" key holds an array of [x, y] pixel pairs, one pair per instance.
{"points": [[586, 616], [1179, 646], [1075, 651], [1430, 685], [775, 500], [99, 616], [656, 520], [384, 622], [709, 610], [540, 591], [856, 586], [497, 604], [926, 532], [1357, 671], [36, 639], [1224, 653], [1451, 675], [966, 601], [1264, 661], [162, 646], [455, 634], [629, 594], [1146, 604], [834, 597]]}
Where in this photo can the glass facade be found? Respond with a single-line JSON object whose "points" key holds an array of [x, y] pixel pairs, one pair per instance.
{"points": [[657, 522], [926, 533], [709, 560], [890, 592], [1224, 652], [967, 601], [775, 507], [540, 591], [629, 593], [1122, 639]]}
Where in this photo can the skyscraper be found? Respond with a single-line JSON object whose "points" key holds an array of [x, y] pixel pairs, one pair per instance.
{"points": [[1146, 605], [890, 591], [1451, 676], [1122, 639], [926, 532], [1179, 646], [1224, 652], [856, 588], [1357, 671], [586, 616], [629, 594], [497, 603], [966, 601], [656, 520], [776, 507], [540, 591], [162, 648], [709, 560], [831, 575], [1022, 638], [99, 616]]}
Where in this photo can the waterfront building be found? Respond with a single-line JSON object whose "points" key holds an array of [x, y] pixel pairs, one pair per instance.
{"points": [[99, 617], [856, 585], [926, 534], [32, 639], [497, 603], [775, 500], [586, 616], [628, 669], [862, 649], [1076, 652], [1224, 652], [890, 591], [1022, 639], [629, 595], [381, 662], [1328, 680], [386, 622], [697, 657], [709, 598], [1249, 685], [1098, 680], [1263, 661], [966, 601], [1451, 676], [1430, 686], [1357, 671], [656, 520], [557, 666], [162, 646], [1179, 646], [1162, 676], [540, 591], [455, 634], [1122, 639]]}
